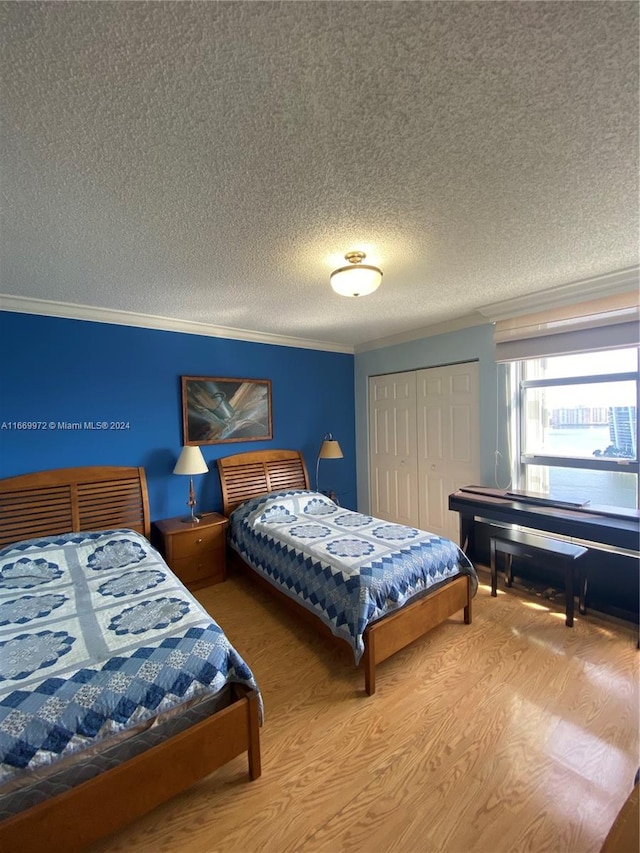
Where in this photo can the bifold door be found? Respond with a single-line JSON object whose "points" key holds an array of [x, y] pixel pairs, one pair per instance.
{"points": [[424, 444]]}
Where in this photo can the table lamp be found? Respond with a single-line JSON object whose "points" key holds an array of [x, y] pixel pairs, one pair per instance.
{"points": [[190, 462]]}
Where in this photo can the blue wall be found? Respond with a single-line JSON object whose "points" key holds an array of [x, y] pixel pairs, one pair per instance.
{"points": [[59, 370]]}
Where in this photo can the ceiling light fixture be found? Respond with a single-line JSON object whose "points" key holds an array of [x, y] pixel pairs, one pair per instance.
{"points": [[358, 279]]}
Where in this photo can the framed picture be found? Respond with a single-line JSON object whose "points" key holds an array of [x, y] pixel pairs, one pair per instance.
{"points": [[219, 410]]}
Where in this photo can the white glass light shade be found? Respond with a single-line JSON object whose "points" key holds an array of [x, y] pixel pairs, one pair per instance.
{"points": [[356, 280], [190, 461]]}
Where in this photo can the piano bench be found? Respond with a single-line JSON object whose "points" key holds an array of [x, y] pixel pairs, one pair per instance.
{"points": [[515, 543]]}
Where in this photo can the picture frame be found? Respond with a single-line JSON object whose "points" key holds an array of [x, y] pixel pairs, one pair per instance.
{"points": [[218, 410]]}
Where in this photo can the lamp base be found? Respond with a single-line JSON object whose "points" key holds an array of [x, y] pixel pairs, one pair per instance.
{"points": [[190, 519], [193, 518]]}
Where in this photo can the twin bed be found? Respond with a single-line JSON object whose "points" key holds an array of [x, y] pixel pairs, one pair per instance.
{"points": [[117, 690], [376, 585]]}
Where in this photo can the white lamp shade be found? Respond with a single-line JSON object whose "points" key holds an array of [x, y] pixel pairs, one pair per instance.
{"points": [[356, 280], [191, 461]]}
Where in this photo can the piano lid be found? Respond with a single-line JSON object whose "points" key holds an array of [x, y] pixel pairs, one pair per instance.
{"points": [[535, 499]]}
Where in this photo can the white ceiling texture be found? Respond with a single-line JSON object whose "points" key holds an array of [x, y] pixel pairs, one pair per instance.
{"points": [[212, 162]]}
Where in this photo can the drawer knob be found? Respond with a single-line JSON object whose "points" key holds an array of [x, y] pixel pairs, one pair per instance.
{"points": [[198, 541]]}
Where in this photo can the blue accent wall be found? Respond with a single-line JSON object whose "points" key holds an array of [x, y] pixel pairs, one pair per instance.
{"points": [[56, 371]]}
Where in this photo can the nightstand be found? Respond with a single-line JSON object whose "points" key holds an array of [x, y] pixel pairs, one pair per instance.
{"points": [[196, 553]]}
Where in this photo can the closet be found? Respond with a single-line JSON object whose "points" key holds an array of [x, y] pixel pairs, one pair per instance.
{"points": [[424, 443]]}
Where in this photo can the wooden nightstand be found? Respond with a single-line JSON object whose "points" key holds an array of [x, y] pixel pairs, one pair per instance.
{"points": [[196, 553]]}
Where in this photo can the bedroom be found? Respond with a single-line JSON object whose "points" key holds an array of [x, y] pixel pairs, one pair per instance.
{"points": [[76, 358]]}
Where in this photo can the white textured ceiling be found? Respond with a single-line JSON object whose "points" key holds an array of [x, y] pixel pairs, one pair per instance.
{"points": [[213, 162]]}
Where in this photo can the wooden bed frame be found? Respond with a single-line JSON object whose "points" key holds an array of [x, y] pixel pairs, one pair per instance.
{"points": [[248, 475], [102, 498]]}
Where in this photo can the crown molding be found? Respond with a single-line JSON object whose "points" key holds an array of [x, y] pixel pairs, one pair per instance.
{"points": [[620, 281], [575, 292], [443, 328], [69, 311]]}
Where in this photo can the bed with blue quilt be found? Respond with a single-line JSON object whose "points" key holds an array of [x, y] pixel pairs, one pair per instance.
{"points": [[117, 689], [373, 584]]}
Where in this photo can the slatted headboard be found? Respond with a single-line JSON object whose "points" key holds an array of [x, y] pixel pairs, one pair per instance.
{"points": [[248, 475], [67, 500]]}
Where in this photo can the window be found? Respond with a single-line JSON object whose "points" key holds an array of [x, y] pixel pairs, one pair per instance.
{"points": [[577, 429]]}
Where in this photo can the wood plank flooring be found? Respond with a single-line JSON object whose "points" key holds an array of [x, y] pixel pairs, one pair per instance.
{"points": [[510, 735]]}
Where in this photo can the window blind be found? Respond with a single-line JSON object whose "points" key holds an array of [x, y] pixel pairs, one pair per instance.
{"points": [[612, 322]]}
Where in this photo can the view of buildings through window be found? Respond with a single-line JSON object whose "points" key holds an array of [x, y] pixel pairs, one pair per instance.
{"points": [[577, 430]]}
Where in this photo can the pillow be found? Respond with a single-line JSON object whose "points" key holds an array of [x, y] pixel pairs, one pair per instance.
{"points": [[284, 508]]}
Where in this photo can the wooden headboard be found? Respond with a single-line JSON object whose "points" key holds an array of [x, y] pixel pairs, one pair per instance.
{"points": [[67, 500], [248, 475]]}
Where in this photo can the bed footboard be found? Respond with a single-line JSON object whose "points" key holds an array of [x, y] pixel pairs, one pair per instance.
{"points": [[384, 638], [391, 633], [102, 805]]}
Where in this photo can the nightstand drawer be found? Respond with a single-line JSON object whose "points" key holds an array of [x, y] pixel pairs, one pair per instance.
{"points": [[196, 553], [197, 568], [194, 542]]}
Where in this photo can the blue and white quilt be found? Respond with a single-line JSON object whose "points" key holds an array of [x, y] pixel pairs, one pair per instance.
{"points": [[97, 635], [349, 569]]}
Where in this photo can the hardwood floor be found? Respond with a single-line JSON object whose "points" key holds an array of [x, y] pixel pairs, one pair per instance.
{"points": [[512, 734]]}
